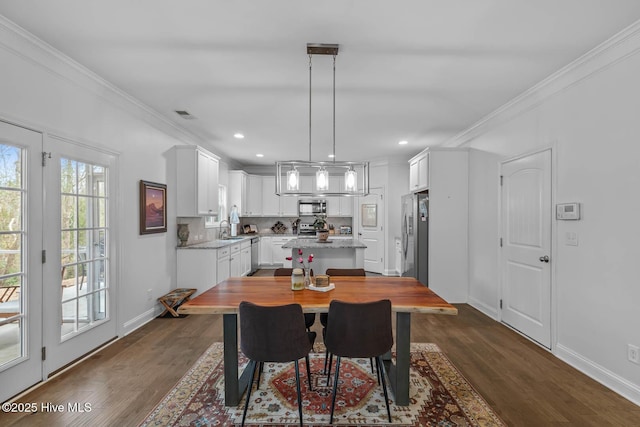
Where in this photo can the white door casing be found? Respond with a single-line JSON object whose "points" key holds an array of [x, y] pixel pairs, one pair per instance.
{"points": [[371, 227], [526, 252]]}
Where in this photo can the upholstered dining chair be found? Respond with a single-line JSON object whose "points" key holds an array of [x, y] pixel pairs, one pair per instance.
{"points": [[324, 317], [361, 330], [273, 334], [309, 318]]}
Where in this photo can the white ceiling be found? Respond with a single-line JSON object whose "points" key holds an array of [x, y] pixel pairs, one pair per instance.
{"points": [[418, 70]]}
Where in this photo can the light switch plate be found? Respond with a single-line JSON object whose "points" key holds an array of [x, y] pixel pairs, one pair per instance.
{"points": [[571, 238]]}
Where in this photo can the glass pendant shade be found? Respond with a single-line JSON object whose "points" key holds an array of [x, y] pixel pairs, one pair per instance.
{"points": [[322, 180], [293, 180], [350, 180]]}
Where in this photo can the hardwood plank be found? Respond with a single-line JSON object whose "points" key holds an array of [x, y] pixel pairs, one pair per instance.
{"points": [[523, 383]]}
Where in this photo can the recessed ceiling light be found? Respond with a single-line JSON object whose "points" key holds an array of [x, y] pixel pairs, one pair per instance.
{"points": [[331, 156], [238, 136], [259, 155], [403, 142]]}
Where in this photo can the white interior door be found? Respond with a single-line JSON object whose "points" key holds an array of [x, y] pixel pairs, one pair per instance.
{"points": [[79, 284], [371, 220], [526, 252], [20, 259]]}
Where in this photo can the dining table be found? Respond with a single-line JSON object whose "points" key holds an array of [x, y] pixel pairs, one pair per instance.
{"points": [[407, 296]]}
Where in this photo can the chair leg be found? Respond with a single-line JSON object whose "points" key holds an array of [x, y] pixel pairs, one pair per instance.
{"points": [[306, 359], [326, 359], [377, 369], [384, 384], [246, 403], [330, 363], [298, 390], [260, 368], [335, 389]]}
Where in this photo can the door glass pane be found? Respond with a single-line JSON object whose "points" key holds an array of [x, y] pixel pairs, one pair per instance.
{"points": [[12, 195], [85, 232]]}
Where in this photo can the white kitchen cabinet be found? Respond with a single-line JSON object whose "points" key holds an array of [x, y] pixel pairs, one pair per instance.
{"points": [[223, 264], [197, 182], [245, 258], [265, 256], [235, 263], [419, 172], [270, 201], [254, 195], [197, 269], [338, 206], [279, 254], [288, 206], [238, 191]]}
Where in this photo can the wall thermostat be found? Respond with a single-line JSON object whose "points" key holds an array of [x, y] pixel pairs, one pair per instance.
{"points": [[568, 211]]}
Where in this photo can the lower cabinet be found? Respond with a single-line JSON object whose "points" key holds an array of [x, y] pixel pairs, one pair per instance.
{"points": [[235, 269], [245, 258], [223, 264]]}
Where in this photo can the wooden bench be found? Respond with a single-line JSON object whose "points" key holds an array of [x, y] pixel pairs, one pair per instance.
{"points": [[172, 300]]}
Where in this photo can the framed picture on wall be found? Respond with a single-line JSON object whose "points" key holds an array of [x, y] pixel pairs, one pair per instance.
{"points": [[153, 207]]}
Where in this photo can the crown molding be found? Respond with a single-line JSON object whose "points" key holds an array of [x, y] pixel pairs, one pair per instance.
{"points": [[28, 47], [617, 48]]}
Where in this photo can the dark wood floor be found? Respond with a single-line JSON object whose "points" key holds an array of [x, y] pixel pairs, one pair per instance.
{"points": [[523, 383]]}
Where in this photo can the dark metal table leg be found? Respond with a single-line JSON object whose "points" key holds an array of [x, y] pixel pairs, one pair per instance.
{"points": [[399, 373], [230, 336]]}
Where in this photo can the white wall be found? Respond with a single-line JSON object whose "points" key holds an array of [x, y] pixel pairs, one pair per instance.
{"points": [[47, 92], [589, 115]]}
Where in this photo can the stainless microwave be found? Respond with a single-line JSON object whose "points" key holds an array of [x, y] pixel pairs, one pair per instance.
{"points": [[312, 207]]}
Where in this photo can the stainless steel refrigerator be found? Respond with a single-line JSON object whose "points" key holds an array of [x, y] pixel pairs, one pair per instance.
{"points": [[415, 236]]}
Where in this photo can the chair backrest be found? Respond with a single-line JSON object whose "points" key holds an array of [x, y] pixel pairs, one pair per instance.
{"points": [[283, 271], [273, 334], [345, 272], [359, 329]]}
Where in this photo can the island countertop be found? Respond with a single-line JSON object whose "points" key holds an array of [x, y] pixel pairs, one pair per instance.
{"points": [[329, 244]]}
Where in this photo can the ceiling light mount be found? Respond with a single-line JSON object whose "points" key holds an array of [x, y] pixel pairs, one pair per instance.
{"points": [[322, 49]]}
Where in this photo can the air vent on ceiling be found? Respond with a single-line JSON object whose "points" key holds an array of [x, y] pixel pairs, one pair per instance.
{"points": [[185, 114]]}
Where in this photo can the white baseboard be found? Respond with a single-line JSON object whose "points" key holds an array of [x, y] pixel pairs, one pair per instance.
{"points": [[605, 377], [140, 320], [484, 308]]}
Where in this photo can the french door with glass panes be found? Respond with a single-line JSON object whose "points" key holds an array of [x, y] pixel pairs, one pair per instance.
{"points": [[21, 215], [78, 278]]}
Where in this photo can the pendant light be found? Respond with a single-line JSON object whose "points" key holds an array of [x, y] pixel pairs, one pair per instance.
{"points": [[354, 174]]}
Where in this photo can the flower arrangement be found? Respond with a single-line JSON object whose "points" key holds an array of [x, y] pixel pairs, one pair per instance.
{"points": [[302, 260]]}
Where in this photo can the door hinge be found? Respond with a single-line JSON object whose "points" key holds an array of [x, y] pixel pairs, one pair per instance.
{"points": [[501, 179], [501, 242], [44, 353], [45, 156], [500, 304], [44, 256]]}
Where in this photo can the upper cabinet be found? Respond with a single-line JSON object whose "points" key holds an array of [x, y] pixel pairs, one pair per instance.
{"points": [[238, 191], [419, 172], [336, 205], [197, 182]]}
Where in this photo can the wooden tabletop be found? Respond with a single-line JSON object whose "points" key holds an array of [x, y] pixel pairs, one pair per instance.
{"points": [[406, 294]]}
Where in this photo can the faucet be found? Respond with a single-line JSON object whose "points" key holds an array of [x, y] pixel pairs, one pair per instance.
{"points": [[222, 233]]}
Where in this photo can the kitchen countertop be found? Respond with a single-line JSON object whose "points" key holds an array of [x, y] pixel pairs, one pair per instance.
{"points": [[216, 244], [330, 244], [221, 243]]}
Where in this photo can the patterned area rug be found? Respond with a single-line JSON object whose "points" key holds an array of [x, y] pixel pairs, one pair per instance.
{"points": [[440, 396]]}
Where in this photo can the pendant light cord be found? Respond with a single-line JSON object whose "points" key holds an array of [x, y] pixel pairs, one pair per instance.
{"points": [[310, 107], [334, 108]]}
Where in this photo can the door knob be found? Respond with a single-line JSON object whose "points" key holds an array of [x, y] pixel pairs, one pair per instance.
{"points": [[544, 258]]}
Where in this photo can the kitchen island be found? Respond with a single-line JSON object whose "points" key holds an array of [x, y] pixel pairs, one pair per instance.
{"points": [[334, 253]]}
